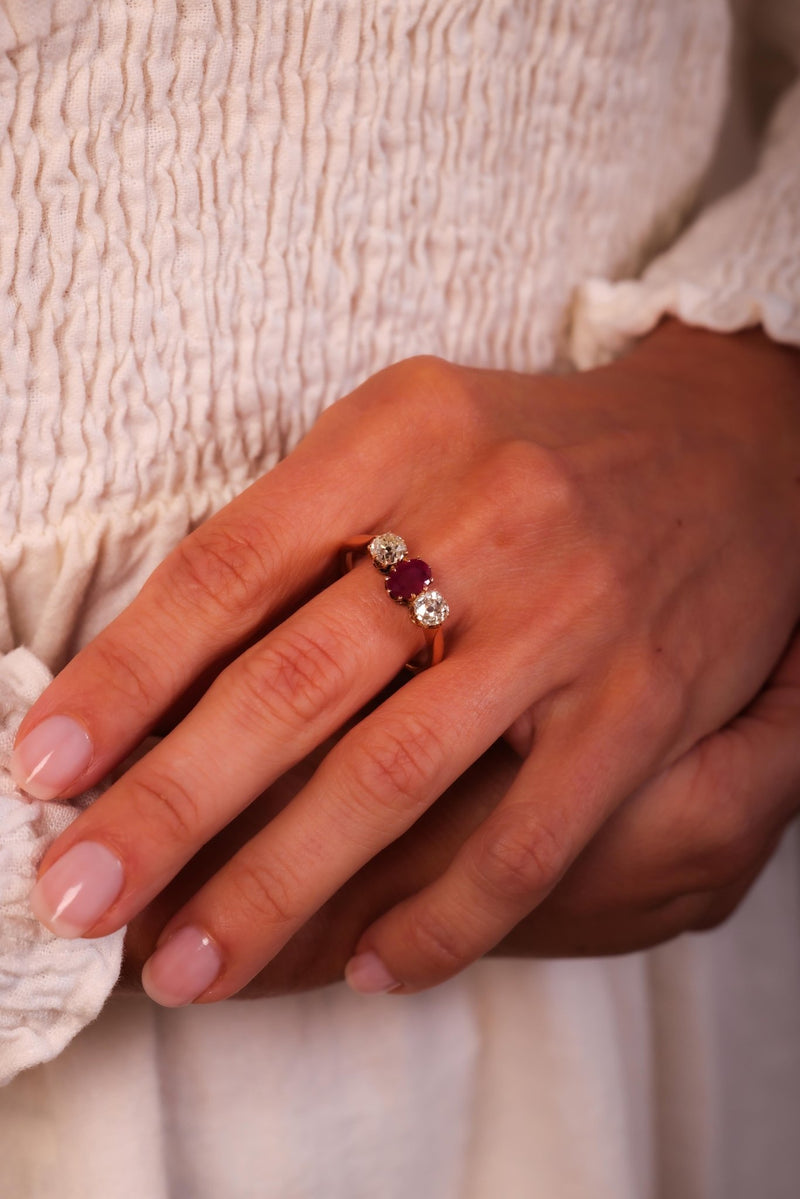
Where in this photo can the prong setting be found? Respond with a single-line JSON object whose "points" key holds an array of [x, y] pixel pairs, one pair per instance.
{"points": [[386, 550], [408, 582]]}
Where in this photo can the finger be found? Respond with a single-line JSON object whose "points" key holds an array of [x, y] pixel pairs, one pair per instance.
{"points": [[551, 932], [562, 796], [680, 855], [222, 581], [265, 712], [745, 785], [701, 824], [372, 787], [236, 573], [564, 927], [317, 953]]}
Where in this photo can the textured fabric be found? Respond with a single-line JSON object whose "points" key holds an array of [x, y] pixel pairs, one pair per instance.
{"points": [[738, 264], [723, 273], [21, 21], [49, 988], [217, 218]]}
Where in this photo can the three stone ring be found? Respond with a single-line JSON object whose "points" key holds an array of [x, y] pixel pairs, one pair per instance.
{"points": [[408, 581]]}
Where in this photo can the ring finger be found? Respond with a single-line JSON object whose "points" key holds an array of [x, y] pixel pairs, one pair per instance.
{"points": [[262, 714], [371, 788]]}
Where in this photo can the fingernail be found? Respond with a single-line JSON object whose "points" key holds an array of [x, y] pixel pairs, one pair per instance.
{"points": [[182, 968], [77, 889], [51, 757], [367, 974]]}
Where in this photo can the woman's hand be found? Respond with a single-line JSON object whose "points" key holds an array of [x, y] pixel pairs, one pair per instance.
{"points": [[620, 554], [677, 856]]}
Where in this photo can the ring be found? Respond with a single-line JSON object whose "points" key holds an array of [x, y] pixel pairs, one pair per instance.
{"points": [[407, 581]]}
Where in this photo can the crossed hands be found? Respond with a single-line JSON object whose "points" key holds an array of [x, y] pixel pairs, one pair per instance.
{"points": [[606, 756]]}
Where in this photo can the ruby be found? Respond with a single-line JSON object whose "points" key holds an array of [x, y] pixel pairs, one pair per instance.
{"points": [[408, 579]]}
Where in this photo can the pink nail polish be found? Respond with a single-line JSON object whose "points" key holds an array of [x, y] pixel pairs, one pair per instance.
{"points": [[77, 889], [182, 968], [51, 757], [367, 974]]}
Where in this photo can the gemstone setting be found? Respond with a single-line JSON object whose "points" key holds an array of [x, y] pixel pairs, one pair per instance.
{"points": [[408, 582], [429, 609], [408, 579], [386, 550]]}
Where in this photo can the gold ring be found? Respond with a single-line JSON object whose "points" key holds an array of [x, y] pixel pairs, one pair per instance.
{"points": [[408, 581]]}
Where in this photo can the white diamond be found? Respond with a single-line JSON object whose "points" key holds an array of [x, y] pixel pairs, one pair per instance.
{"points": [[386, 550], [430, 609]]}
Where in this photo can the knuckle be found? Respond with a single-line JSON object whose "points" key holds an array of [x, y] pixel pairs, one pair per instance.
{"points": [[523, 489], [438, 392], [431, 376], [518, 858], [130, 674], [166, 805], [292, 677], [524, 469], [262, 894], [525, 464], [219, 571], [393, 771], [435, 941]]}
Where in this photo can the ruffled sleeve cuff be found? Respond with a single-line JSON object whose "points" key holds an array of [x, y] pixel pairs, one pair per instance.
{"points": [[49, 988], [737, 265]]}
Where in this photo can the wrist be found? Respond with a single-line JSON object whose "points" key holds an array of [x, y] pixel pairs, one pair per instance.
{"points": [[723, 362], [740, 388]]}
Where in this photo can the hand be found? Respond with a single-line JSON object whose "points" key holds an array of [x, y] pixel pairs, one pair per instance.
{"points": [[603, 540], [677, 856], [317, 953], [682, 852]]}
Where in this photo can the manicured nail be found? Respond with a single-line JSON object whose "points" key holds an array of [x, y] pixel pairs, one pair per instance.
{"points": [[51, 757], [77, 889], [182, 968], [367, 974]]}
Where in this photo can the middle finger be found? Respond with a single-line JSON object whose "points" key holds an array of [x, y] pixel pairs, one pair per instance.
{"points": [[265, 712], [370, 789]]}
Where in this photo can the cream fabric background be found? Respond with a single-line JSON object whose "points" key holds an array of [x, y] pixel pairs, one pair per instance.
{"points": [[216, 218]]}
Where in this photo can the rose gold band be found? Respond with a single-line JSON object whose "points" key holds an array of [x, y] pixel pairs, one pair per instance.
{"points": [[407, 581]]}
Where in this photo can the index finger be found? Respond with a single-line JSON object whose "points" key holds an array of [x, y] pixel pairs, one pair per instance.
{"points": [[222, 582]]}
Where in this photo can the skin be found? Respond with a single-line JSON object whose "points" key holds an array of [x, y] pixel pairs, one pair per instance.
{"points": [[678, 855], [620, 553]]}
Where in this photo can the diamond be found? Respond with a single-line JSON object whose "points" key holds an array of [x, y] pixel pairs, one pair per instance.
{"points": [[408, 579], [387, 549], [430, 609]]}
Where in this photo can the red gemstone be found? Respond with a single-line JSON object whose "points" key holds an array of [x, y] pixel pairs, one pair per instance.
{"points": [[408, 579]]}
